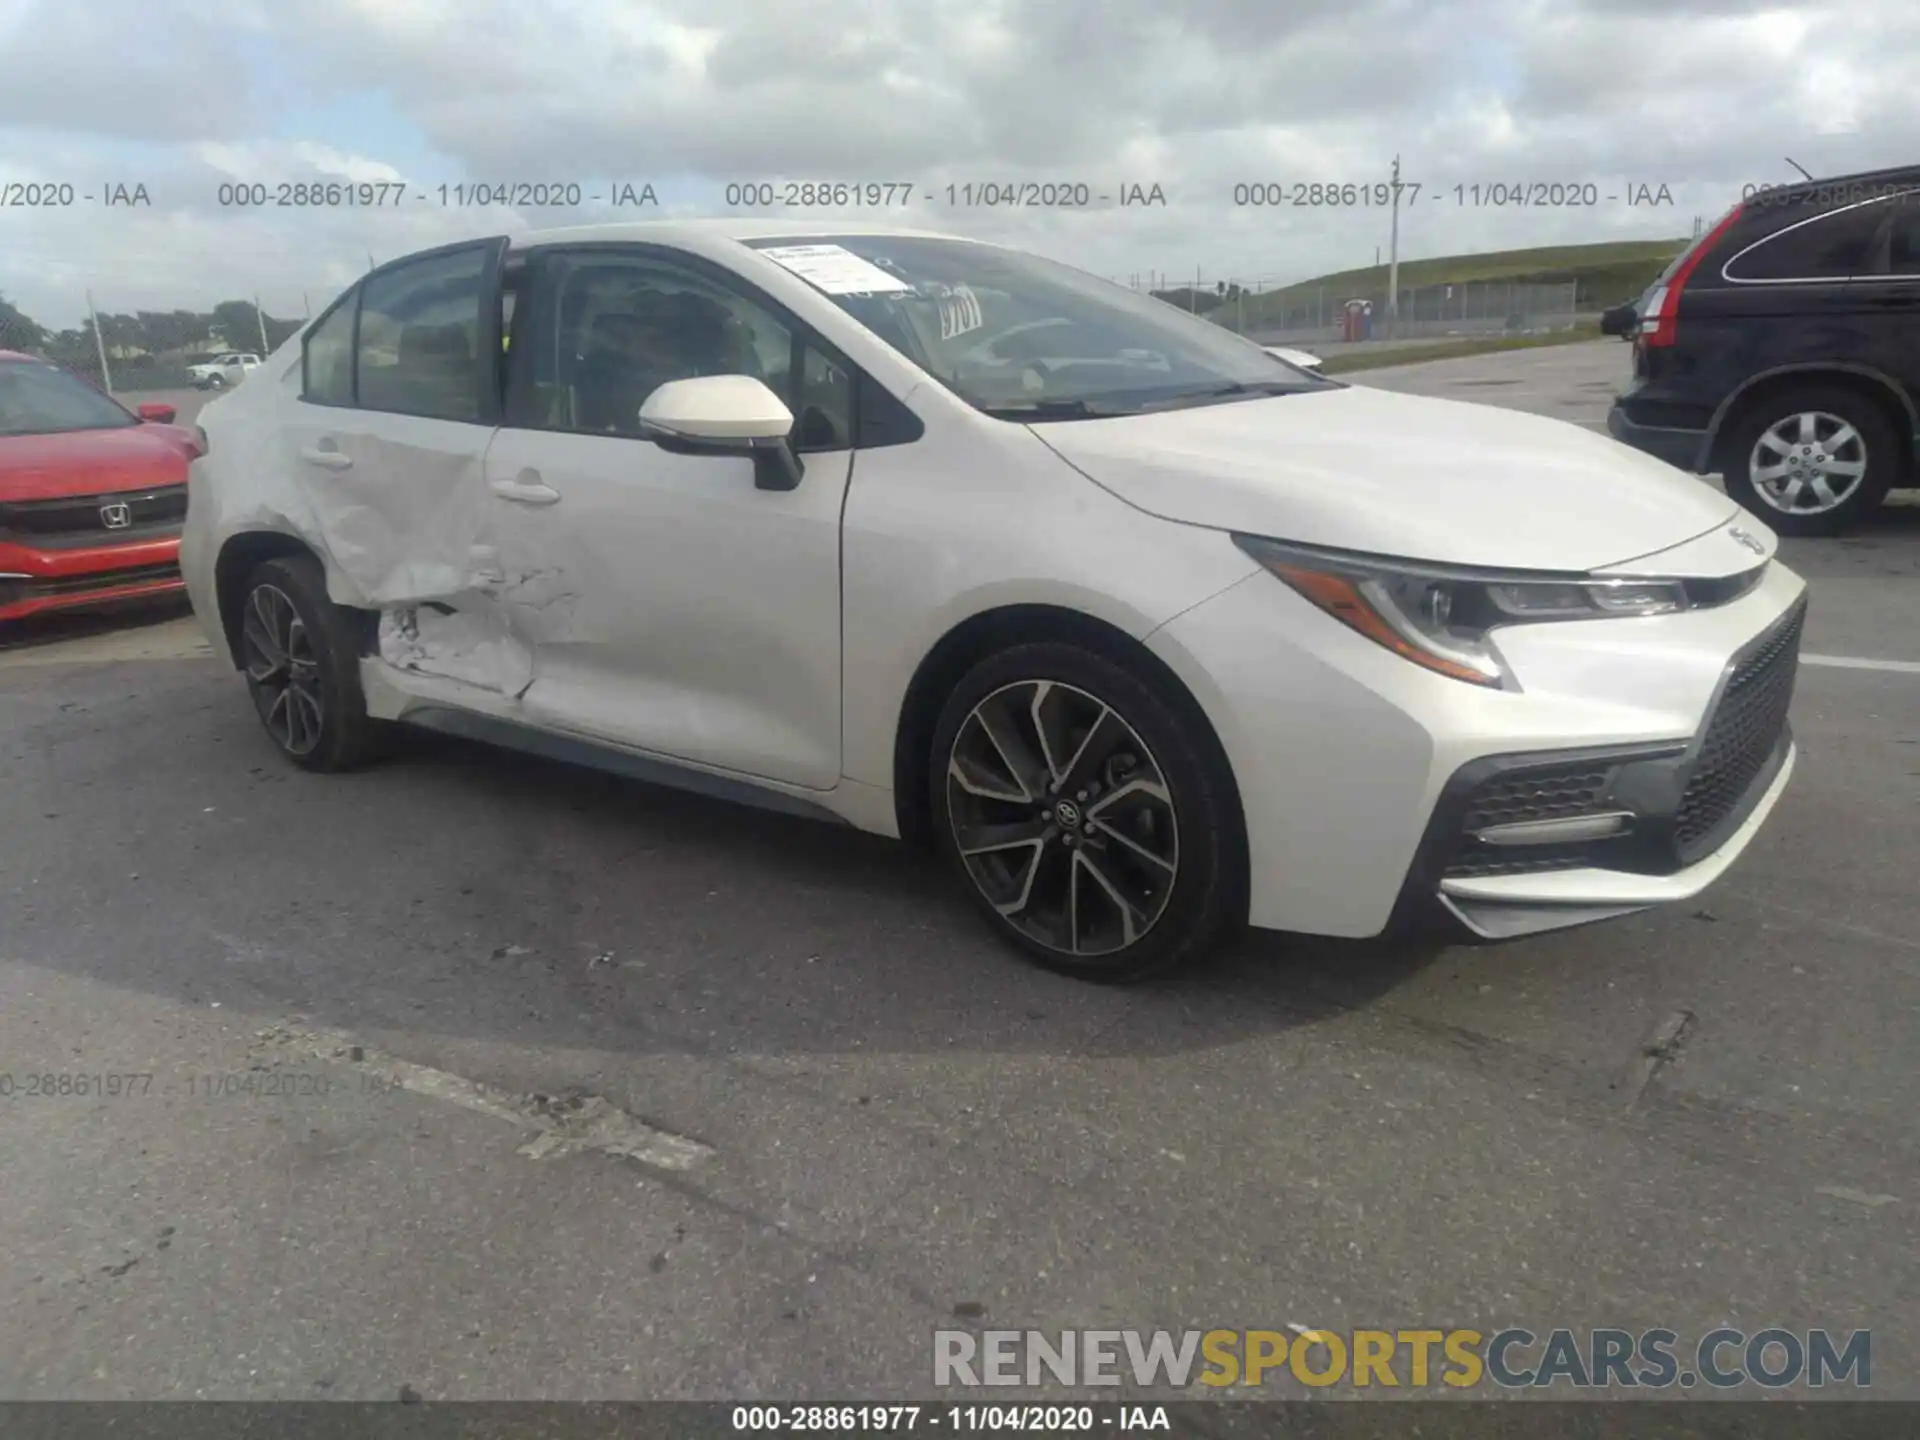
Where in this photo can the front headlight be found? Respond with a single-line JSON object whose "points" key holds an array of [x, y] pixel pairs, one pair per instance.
{"points": [[1443, 617]]}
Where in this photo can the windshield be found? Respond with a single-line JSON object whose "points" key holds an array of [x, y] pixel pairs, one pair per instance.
{"points": [[1023, 337], [38, 399]]}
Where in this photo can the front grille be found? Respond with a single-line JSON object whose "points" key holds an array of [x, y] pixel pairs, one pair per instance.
{"points": [[1541, 792], [1741, 736], [77, 519], [1536, 795], [90, 581]]}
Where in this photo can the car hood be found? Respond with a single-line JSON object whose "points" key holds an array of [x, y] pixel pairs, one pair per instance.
{"points": [[1403, 475], [92, 462]]}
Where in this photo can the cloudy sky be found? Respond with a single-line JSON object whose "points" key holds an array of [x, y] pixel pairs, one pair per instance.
{"points": [[1195, 96]]}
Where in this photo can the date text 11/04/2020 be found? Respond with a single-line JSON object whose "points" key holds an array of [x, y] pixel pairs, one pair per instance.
{"points": [[1036, 1419], [962, 195], [398, 194], [1474, 195], [224, 1085]]}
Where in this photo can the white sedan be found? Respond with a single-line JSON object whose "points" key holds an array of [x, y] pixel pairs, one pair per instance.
{"points": [[1150, 633]]}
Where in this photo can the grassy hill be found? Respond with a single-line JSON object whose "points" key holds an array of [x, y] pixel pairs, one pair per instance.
{"points": [[1606, 274]]}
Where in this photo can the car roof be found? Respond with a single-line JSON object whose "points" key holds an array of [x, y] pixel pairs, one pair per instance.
{"points": [[16, 355]]}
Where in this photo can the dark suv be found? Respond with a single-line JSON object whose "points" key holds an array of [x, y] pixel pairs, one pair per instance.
{"points": [[1782, 350]]}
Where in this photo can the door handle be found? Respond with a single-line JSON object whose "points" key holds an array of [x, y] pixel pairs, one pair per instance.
{"points": [[526, 488], [326, 459]]}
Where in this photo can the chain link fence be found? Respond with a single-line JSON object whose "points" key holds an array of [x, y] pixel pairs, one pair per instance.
{"points": [[1308, 315]]}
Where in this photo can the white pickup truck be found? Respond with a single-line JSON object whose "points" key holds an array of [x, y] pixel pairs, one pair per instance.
{"points": [[222, 370]]}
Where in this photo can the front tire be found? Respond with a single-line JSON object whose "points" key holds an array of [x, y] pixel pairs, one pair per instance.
{"points": [[1089, 817], [303, 667], [1812, 461]]}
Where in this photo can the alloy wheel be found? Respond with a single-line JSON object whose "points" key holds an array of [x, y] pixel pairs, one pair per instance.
{"points": [[1808, 464], [1062, 817], [281, 669]]}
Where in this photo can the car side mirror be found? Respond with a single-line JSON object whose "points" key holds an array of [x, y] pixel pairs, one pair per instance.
{"points": [[154, 413], [1620, 320], [726, 415]]}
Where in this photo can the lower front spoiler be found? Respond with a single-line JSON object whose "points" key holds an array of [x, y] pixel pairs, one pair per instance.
{"points": [[107, 597], [1504, 907]]}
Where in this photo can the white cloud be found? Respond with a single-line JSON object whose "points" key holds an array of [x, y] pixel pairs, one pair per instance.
{"points": [[1197, 98]]}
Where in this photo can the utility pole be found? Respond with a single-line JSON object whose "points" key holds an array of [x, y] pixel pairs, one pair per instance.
{"points": [[100, 343], [1393, 257], [260, 319]]}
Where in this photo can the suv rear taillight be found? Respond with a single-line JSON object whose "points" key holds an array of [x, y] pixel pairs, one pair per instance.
{"points": [[1659, 324]]}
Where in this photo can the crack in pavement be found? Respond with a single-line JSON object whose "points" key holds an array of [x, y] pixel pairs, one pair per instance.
{"points": [[562, 1124]]}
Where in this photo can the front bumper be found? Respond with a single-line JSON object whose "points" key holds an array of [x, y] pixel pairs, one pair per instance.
{"points": [[1523, 843], [1503, 907], [38, 582], [1356, 770], [1683, 448]]}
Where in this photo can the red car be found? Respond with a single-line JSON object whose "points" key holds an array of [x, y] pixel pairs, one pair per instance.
{"points": [[92, 494]]}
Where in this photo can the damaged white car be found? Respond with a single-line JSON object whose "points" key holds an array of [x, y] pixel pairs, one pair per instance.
{"points": [[1151, 633]]}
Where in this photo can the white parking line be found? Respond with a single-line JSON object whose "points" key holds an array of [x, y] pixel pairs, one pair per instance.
{"points": [[1858, 662]]}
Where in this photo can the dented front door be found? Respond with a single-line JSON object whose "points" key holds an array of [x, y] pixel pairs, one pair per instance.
{"points": [[672, 606]]}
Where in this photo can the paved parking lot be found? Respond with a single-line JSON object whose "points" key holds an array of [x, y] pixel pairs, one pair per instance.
{"points": [[858, 1117], [1568, 382]]}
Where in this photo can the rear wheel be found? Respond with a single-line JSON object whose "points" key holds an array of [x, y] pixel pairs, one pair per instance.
{"points": [[303, 668], [1085, 814], [1812, 461]]}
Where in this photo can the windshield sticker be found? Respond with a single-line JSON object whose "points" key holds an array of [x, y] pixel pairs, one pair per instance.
{"points": [[959, 312], [835, 270]]}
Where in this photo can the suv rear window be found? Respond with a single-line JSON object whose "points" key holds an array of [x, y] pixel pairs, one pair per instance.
{"points": [[1809, 245], [1903, 249]]}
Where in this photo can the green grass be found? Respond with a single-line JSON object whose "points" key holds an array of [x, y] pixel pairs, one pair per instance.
{"points": [[1604, 274], [1454, 349]]}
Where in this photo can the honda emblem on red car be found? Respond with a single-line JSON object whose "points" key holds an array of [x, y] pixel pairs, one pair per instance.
{"points": [[117, 516]]}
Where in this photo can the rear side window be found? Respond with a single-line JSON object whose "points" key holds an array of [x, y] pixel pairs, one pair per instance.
{"points": [[327, 357], [1833, 246], [419, 345]]}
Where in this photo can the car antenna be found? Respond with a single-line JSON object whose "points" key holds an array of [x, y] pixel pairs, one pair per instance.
{"points": [[1798, 166]]}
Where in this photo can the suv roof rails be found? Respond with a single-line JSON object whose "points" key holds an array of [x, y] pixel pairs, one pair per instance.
{"points": [[1892, 174]]}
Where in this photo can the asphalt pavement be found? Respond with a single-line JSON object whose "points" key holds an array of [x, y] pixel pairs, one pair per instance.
{"points": [[486, 1077]]}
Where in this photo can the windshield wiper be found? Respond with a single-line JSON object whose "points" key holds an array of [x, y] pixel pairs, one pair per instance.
{"points": [[1233, 391], [1057, 410]]}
